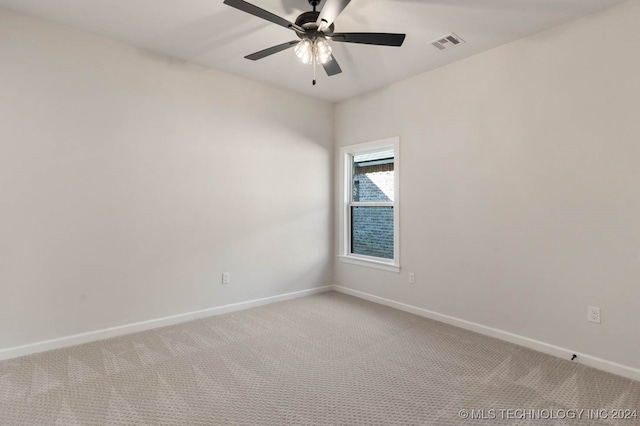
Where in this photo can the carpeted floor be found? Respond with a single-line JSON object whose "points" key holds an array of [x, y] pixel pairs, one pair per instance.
{"points": [[328, 359]]}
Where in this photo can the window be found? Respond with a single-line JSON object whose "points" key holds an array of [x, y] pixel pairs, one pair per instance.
{"points": [[369, 217]]}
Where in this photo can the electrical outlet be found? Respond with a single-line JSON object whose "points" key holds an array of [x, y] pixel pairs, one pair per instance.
{"points": [[412, 278], [226, 277], [593, 314]]}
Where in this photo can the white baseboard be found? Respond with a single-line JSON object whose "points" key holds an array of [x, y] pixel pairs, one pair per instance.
{"points": [[588, 360], [106, 333]]}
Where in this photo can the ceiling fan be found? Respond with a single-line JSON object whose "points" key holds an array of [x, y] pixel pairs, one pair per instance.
{"points": [[315, 29]]}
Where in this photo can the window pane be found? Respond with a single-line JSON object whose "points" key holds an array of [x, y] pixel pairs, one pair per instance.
{"points": [[372, 231], [373, 177]]}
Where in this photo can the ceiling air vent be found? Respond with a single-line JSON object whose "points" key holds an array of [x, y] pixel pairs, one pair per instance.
{"points": [[447, 42]]}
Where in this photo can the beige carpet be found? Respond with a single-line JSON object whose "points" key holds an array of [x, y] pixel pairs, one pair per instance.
{"points": [[328, 359]]}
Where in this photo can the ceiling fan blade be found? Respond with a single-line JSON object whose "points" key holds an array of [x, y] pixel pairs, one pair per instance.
{"points": [[380, 39], [270, 51], [330, 12], [332, 67], [260, 13]]}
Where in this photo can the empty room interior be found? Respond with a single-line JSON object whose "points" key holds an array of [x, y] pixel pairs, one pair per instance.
{"points": [[288, 212]]}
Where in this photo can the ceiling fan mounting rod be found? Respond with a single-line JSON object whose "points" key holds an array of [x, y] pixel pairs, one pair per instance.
{"points": [[314, 3]]}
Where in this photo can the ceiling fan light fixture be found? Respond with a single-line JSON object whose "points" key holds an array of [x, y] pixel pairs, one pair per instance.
{"points": [[318, 48], [304, 51], [322, 50]]}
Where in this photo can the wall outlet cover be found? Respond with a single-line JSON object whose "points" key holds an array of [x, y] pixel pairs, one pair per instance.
{"points": [[593, 314]]}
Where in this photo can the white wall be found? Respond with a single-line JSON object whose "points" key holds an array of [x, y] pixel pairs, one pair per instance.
{"points": [[520, 201], [129, 183]]}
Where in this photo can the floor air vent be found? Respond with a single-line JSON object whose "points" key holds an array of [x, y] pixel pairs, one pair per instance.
{"points": [[447, 42]]}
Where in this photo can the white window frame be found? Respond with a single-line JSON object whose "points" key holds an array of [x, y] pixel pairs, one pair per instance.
{"points": [[346, 193]]}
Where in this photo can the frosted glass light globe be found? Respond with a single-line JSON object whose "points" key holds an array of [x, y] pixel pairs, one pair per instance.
{"points": [[317, 48], [304, 51]]}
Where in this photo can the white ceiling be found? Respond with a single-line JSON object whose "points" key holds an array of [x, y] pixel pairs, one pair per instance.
{"points": [[210, 33]]}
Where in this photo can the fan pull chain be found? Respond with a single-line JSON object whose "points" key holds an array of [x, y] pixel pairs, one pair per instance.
{"points": [[314, 69]]}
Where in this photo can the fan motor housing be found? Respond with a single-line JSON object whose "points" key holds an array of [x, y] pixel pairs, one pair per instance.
{"points": [[307, 20]]}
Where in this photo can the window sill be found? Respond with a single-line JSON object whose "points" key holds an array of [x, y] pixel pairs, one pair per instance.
{"points": [[370, 263]]}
